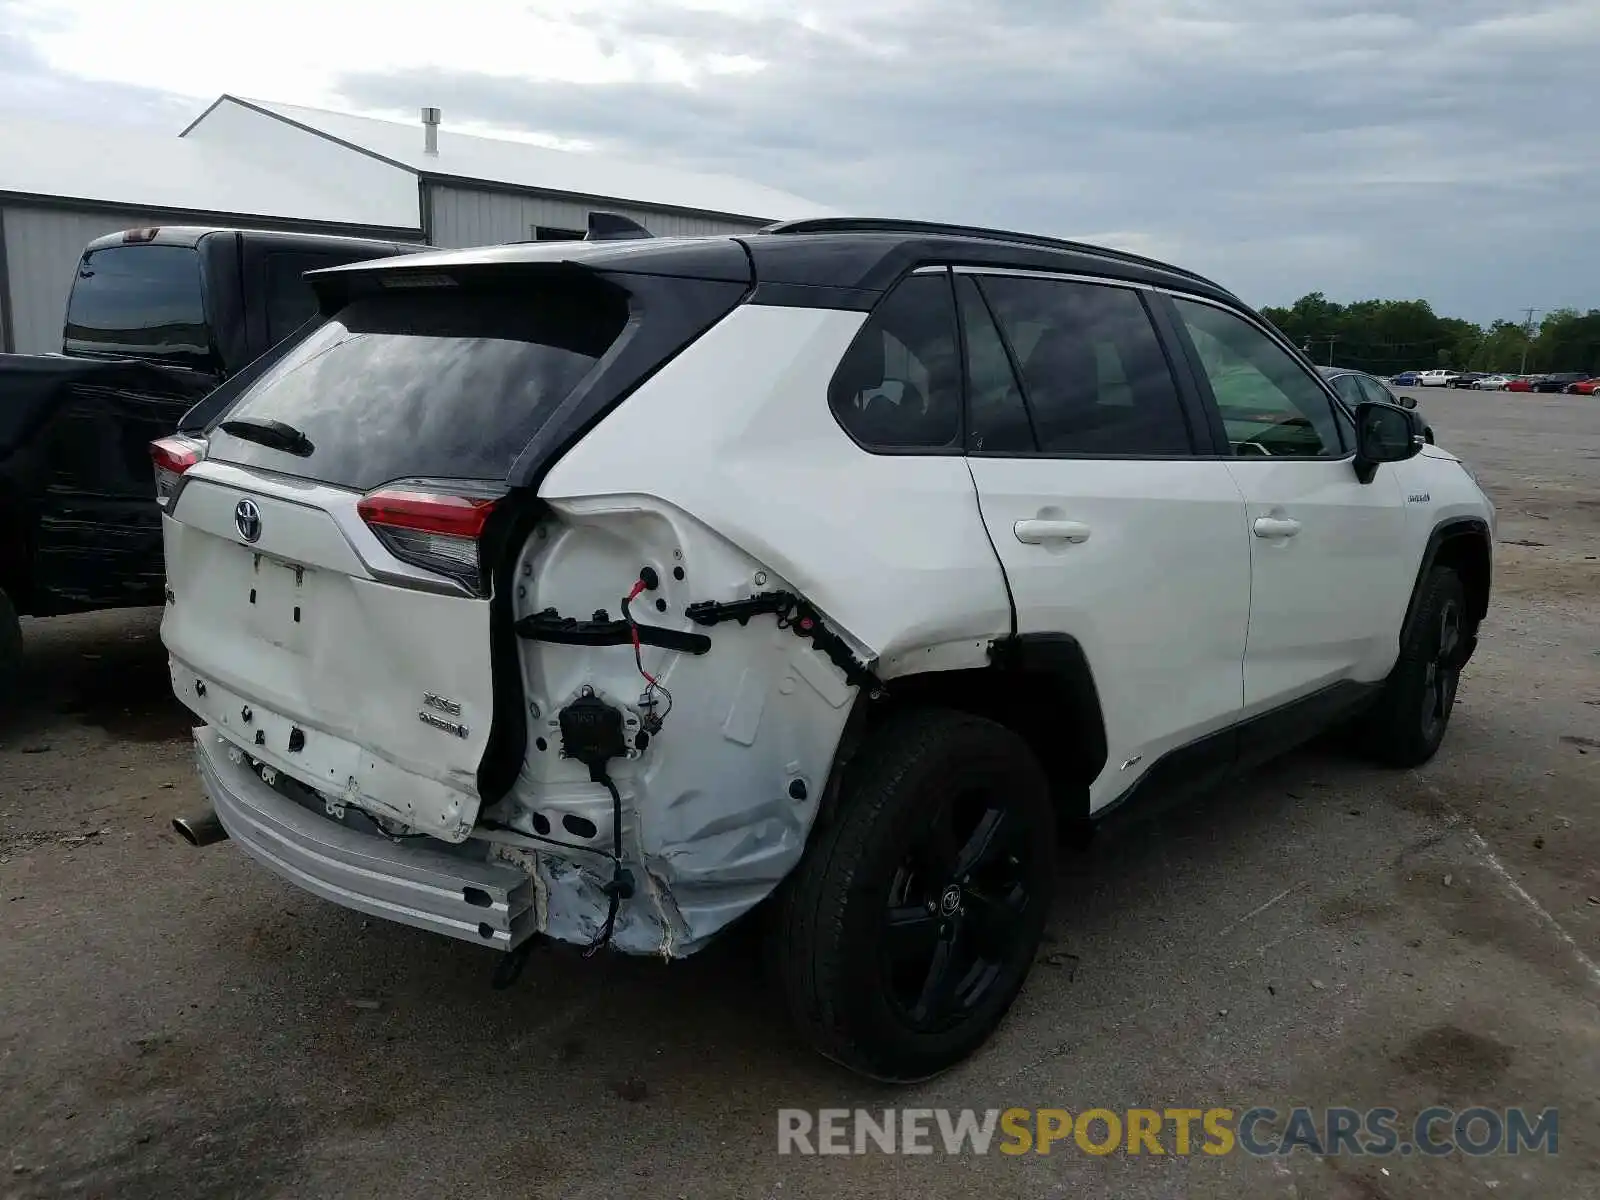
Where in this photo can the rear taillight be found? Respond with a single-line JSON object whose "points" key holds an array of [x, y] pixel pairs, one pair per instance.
{"points": [[438, 531], [173, 456]]}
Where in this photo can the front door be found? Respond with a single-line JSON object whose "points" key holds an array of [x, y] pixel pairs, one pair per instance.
{"points": [[1327, 552], [1109, 525]]}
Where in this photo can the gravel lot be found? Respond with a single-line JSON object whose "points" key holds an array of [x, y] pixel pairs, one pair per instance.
{"points": [[178, 1023]]}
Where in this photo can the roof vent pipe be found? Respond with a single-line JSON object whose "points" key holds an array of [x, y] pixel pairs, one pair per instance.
{"points": [[430, 131]]}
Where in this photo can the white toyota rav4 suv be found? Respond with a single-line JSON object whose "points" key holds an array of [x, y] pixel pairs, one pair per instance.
{"points": [[609, 591]]}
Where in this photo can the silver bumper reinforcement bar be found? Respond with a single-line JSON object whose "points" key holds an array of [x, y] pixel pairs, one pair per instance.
{"points": [[489, 904]]}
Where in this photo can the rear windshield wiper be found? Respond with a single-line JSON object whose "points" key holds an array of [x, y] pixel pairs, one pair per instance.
{"points": [[274, 434]]}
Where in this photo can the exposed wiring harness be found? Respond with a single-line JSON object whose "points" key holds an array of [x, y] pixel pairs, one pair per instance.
{"points": [[651, 719], [620, 887]]}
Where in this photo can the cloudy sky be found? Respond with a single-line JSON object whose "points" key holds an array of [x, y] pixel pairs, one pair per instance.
{"points": [[1448, 149]]}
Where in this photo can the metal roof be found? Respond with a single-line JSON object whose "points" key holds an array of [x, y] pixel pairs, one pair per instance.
{"points": [[471, 158], [144, 169]]}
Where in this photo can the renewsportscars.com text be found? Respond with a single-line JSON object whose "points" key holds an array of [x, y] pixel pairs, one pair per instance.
{"points": [[1257, 1131]]}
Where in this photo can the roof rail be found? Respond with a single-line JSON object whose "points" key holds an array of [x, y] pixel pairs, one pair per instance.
{"points": [[940, 229]]}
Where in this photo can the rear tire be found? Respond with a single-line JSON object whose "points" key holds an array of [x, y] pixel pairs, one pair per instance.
{"points": [[904, 936], [10, 647], [1407, 724]]}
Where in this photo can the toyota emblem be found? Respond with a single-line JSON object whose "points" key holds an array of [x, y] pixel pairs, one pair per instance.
{"points": [[950, 901], [248, 518]]}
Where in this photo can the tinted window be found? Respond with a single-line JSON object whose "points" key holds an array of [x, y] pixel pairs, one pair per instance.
{"points": [[290, 300], [899, 385], [143, 301], [1270, 405], [1349, 389], [1374, 392], [997, 419], [442, 384], [1093, 374]]}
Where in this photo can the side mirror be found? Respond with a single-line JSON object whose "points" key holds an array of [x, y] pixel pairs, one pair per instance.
{"points": [[1386, 433]]}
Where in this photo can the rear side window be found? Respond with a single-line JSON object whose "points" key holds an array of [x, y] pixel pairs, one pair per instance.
{"points": [[898, 387], [290, 300], [142, 301], [1093, 373], [440, 384]]}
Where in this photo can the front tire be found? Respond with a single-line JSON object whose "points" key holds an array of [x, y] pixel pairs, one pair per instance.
{"points": [[1407, 724], [906, 933]]}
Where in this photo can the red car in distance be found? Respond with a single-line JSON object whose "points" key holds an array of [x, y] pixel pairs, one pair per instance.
{"points": [[1518, 385], [1584, 387]]}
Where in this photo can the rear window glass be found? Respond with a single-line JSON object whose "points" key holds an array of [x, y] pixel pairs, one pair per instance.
{"points": [[139, 301], [441, 384]]}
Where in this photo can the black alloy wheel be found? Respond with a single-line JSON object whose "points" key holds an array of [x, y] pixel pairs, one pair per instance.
{"points": [[909, 927], [1441, 674], [955, 905], [1409, 719]]}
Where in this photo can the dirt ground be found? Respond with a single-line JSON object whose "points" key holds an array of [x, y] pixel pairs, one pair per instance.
{"points": [[179, 1023]]}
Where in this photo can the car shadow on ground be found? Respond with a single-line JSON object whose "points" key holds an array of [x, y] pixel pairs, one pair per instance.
{"points": [[389, 998], [107, 670]]}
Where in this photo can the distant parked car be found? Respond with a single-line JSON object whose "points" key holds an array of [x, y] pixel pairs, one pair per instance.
{"points": [[1406, 379], [1584, 387], [1490, 383], [1466, 379], [1357, 387], [1559, 381], [1439, 378], [1520, 383]]}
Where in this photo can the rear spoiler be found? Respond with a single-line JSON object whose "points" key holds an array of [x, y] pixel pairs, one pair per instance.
{"points": [[613, 227]]}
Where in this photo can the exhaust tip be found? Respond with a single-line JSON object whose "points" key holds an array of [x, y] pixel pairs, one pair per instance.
{"points": [[200, 830]]}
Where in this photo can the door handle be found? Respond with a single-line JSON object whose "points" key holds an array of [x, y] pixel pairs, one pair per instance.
{"points": [[1276, 527], [1037, 532]]}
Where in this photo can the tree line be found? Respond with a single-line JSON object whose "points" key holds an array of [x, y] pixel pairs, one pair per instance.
{"points": [[1385, 337]]}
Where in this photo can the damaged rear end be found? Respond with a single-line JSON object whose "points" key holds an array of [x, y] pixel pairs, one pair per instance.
{"points": [[430, 694]]}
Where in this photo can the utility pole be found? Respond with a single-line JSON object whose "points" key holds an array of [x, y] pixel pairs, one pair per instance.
{"points": [[1527, 336], [1332, 337]]}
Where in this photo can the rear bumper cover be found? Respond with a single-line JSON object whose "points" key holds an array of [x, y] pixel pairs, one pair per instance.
{"points": [[486, 903]]}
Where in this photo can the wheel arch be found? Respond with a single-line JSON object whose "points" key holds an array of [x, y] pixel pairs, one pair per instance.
{"points": [[1464, 545], [1039, 685]]}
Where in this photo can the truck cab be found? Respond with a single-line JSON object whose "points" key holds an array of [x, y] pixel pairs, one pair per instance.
{"points": [[156, 319], [208, 300]]}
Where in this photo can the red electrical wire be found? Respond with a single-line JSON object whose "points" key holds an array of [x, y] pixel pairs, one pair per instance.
{"points": [[633, 629]]}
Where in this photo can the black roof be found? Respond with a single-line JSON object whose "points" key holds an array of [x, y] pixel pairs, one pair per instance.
{"points": [[834, 262], [876, 247]]}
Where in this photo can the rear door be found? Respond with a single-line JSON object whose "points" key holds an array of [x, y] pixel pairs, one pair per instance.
{"points": [[1112, 524], [328, 612], [1329, 573]]}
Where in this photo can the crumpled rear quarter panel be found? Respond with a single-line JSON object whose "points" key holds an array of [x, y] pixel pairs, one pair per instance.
{"points": [[729, 466]]}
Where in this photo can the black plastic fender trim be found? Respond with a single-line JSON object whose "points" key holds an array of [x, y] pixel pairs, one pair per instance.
{"points": [[1443, 532], [794, 614], [551, 626]]}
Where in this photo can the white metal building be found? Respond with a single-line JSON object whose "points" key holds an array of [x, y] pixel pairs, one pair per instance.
{"points": [[255, 164]]}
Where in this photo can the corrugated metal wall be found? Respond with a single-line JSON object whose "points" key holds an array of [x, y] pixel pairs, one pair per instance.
{"points": [[42, 244], [469, 217], [42, 249]]}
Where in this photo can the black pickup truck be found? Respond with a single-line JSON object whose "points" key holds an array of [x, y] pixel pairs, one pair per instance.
{"points": [[157, 319]]}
